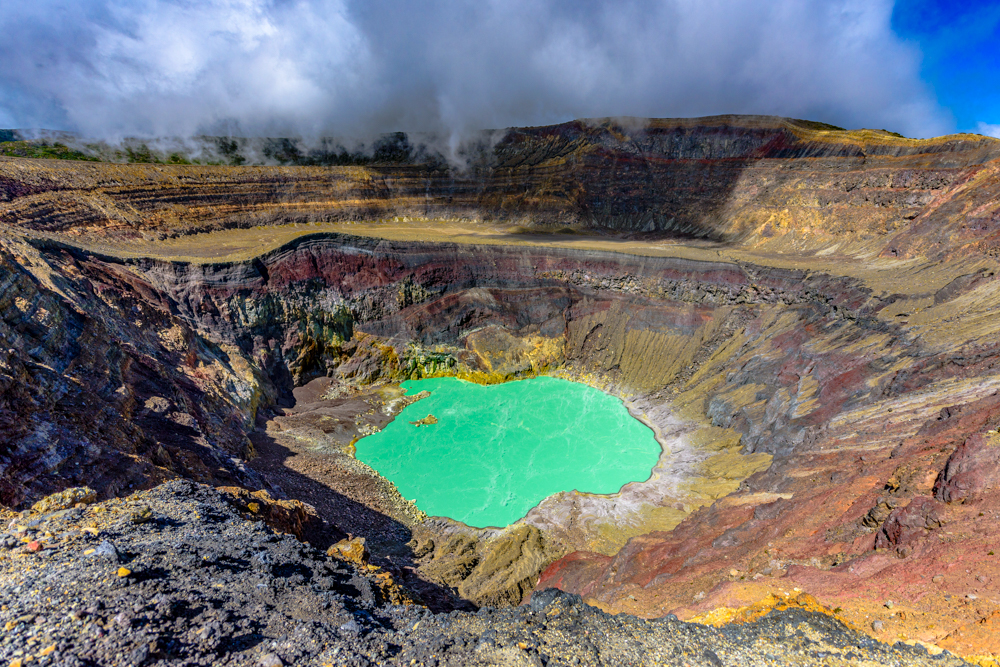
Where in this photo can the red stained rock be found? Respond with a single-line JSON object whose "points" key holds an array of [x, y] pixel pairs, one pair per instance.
{"points": [[574, 572], [35, 546], [972, 470], [908, 525]]}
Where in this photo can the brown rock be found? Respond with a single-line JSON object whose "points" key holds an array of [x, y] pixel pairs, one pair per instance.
{"points": [[426, 421], [352, 550], [140, 514], [879, 513], [498, 570], [287, 516]]}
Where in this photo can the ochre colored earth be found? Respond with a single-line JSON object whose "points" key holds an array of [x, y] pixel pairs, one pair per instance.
{"points": [[807, 318]]}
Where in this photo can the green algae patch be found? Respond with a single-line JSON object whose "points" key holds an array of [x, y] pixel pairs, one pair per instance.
{"points": [[496, 451]]}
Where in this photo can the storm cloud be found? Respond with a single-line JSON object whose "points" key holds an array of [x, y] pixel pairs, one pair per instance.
{"points": [[357, 67]]}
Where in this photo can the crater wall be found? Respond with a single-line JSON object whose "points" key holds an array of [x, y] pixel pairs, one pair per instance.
{"points": [[807, 317], [751, 179]]}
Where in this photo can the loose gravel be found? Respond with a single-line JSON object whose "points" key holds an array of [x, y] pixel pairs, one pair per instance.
{"points": [[177, 576]]}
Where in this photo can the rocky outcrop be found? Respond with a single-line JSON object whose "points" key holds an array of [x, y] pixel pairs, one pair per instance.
{"points": [[774, 354], [496, 569], [908, 525], [101, 385], [285, 516], [972, 470]]}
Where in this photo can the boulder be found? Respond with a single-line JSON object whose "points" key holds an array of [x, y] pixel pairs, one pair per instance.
{"points": [[907, 525], [972, 470], [352, 550], [287, 516], [65, 499]]}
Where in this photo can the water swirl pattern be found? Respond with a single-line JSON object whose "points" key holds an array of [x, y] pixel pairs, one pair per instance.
{"points": [[497, 451]]}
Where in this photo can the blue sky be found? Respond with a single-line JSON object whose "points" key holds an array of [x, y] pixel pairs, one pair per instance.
{"points": [[960, 47], [354, 68]]}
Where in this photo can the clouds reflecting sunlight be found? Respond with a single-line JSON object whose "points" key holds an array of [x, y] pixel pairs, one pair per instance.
{"points": [[347, 67]]}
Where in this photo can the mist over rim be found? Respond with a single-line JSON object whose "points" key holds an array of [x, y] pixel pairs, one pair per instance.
{"points": [[345, 68]]}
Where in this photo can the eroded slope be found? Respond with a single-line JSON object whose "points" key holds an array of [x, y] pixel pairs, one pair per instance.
{"points": [[818, 358]]}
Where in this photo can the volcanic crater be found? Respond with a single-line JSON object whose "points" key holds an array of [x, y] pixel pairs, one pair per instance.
{"points": [[805, 316]]}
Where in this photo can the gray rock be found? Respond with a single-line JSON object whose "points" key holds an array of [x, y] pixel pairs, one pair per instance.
{"points": [[270, 660], [107, 551], [157, 404], [541, 599]]}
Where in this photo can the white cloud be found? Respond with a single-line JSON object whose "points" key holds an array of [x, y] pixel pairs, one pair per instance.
{"points": [[344, 67], [988, 129]]}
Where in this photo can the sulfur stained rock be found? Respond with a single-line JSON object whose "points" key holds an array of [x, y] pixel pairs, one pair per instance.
{"points": [[723, 615], [65, 499], [141, 514], [495, 570], [425, 421], [352, 550]]}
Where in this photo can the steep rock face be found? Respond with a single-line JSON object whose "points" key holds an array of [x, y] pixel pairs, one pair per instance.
{"points": [[857, 372], [963, 218], [846, 513], [972, 471], [715, 178], [101, 385], [364, 310], [308, 298], [776, 355]]}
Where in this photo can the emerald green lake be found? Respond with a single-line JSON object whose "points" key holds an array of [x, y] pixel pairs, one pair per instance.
{"points": [[497, 451]]}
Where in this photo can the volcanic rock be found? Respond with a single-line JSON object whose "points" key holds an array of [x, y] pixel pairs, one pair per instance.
{"points": [[906, 525], [972, 470], [286, 516], [806, 318], [305, 607], [352, 550], [65, 499]]}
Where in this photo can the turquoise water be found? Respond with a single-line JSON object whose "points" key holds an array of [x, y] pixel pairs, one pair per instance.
{"points": [[497, 451]]}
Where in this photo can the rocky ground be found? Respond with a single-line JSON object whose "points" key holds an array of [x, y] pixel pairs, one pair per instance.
{"points": [[180, 576]]}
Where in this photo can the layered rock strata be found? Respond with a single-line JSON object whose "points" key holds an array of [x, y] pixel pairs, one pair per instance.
{"points": [[818, 359], [720, 178]]}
